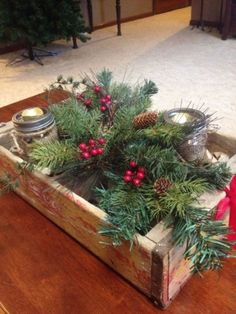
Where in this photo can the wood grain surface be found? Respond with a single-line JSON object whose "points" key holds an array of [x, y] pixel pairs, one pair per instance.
{"points": [[43, 270]]}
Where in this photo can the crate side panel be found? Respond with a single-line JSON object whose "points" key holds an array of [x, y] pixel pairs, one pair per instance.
{"points": [[82, 220], [161, 272], [179, 270]]}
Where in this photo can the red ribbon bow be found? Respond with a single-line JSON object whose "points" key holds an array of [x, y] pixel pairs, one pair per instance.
{"points": [[229, 202]]}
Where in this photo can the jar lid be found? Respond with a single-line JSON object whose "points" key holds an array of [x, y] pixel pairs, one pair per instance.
{"points": [[35, 124]]}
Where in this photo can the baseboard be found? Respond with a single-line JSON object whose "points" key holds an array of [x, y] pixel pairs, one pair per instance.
{"points": [[124, 20], [204, 23]]}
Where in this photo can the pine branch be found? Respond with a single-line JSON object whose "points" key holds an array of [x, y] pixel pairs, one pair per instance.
{"points": [[159, 162], [165, 134], [148, 89], [217, 175], [75, 121], [7, 184], [122, 130], [53, 155], [104, 78], [204, 239], [127, 213]]}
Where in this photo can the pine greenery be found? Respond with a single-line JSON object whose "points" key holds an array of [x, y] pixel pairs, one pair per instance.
{"points": [[131, 209], [39, 22], [53, 155], [7, 184], [75, 122]]}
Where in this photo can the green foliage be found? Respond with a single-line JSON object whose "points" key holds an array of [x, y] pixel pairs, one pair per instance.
{"points": [[165, 134], [7, 184], [76, 122], [127, 213], [180, 197], [204, 238], [158, 161], [53, 155], [104, 79], [216, 174], [148, 89], [38, 22]]}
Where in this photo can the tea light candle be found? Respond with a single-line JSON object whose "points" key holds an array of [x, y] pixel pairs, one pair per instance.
{"points": [[32, 113]]}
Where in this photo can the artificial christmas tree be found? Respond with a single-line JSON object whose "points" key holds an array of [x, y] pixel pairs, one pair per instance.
{"points": [[39, 22]]}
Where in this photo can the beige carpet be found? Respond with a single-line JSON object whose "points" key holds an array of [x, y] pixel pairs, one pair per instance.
{"points": [[187, 65]]}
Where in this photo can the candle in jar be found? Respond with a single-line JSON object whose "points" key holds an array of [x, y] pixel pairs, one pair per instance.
{"points": [[32, 113]]}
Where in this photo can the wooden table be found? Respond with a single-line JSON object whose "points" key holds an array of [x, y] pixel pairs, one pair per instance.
{"points": [[43, 270]]}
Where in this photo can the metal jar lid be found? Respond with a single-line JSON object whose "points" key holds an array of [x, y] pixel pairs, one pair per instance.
{"points": [[32, 125]]}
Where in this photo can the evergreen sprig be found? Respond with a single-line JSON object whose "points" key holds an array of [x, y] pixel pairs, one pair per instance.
{"points": [[205, 239], [76, 122], [165, 134], [104, 78], [53, 155], [7, 184], [217, 174], [127, 213]]}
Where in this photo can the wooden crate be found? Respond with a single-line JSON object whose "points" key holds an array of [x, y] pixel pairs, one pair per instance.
{"points": [[154, 265]]}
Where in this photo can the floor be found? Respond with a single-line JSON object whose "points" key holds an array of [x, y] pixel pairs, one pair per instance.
{"points": [[187, 65]]}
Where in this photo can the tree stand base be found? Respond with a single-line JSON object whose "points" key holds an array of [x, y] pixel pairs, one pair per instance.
{"points": [[34, 54]]}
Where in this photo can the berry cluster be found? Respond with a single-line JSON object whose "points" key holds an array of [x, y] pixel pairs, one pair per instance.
{"points": [[135, 175], [105, 101], [86, 101], [92, 149]]}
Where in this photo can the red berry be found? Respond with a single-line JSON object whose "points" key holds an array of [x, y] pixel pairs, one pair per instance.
{"points": [[140, 175], [92, 142], [80, 96], [103, 108], [108, 97], [97, 89], [127, 179], [103, 101], [141, 169], [128, 173], [88, 102], [86, 155], [94, 152], [136, 182], [83, 146], [108, 103], [100, 151], [133, 164], [101, 141]]}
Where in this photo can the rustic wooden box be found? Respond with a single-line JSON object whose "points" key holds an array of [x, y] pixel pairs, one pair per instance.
{"points": [[154, 265]]}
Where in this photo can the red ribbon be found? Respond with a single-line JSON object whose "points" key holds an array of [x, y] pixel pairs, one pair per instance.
{"points": [[229, 202]]}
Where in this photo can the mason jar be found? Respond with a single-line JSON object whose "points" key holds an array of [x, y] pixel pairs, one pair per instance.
{"points": [[40, 128], [193, 147]]}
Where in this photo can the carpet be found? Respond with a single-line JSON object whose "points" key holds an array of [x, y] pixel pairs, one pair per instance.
{"points": [[188, 65]]}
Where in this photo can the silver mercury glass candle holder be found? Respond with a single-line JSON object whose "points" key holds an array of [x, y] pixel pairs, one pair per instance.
{"points": [[195, 122]]}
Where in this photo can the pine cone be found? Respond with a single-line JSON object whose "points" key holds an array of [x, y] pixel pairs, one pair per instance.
{"points": [[162, 185], [145, 119]]}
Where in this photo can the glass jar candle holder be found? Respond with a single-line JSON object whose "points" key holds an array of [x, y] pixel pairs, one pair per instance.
{"points": [[30, 125]]}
